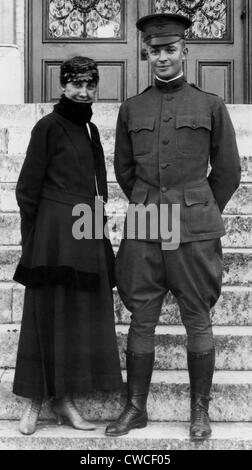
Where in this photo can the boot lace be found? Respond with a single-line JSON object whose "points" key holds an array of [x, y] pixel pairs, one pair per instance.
{"points": [[127, 413], [199, 414]]}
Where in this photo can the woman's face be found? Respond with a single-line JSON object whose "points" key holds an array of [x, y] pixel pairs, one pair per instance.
{"points": [[81, 90]]}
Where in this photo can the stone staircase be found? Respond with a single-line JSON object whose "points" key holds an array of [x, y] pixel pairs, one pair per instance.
{"points": [[168, 404]]}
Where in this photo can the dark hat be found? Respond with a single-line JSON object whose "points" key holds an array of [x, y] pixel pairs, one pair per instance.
{"points": [[163, 28], [79, 68]]}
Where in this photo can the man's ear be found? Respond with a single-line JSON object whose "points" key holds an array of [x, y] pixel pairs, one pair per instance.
{"points": [[185, 52]]}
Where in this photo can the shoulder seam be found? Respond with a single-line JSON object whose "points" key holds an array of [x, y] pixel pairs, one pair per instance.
{"points": [[203, 91], [139, 94]]}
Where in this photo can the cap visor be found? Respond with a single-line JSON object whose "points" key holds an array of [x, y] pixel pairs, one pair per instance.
{"points": [[162, 40]]}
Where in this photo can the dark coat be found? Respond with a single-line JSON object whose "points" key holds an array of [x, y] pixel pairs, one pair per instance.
{"points": [[165, 139], [59, 172]]}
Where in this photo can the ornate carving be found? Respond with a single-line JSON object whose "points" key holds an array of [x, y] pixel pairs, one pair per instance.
{"points": [[85, 19], [210, 19], [84, 6], [190, 8]]}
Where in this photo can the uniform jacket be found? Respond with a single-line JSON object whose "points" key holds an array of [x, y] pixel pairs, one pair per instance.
{"points": [[165, 139], [58, 173]]}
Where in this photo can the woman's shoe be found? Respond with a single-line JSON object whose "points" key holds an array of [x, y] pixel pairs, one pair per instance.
{"points": [[28, 422], [65, 408]]}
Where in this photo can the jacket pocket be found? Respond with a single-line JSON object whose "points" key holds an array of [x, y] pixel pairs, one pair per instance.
{"points": [[141, 134], [193, 134], [139, 194], [202, 214]]}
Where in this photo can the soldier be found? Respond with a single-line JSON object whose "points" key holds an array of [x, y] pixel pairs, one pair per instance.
{"points": [[165, 139]]}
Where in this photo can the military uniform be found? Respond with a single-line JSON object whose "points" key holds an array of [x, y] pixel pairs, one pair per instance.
{"points": [[165, 139]]}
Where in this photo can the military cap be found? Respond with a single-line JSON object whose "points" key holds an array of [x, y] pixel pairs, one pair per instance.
{"points": [[163, 28]]}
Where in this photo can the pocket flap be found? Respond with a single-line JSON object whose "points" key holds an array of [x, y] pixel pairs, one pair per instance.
{"points": [[139, 194], [194, 122], [137, 125], [196, 196]]}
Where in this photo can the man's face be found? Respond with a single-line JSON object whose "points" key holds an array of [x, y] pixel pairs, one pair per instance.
{"points": [[166, 60], [82, 90]]}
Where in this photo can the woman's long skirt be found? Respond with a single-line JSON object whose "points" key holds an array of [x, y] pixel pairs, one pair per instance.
{"points": [[67, 341]]}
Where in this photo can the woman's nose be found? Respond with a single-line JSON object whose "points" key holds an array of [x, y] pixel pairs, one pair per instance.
{"points": [[83, 91]]}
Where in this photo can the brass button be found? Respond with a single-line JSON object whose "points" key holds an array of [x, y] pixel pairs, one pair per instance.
{"points": [[166, 119], [164, 165], [166, 141], [164, 189]]}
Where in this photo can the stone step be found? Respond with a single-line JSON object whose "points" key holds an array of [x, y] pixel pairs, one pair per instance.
{"points": [[10, 165], [240, 203], [15, 140], [105, 116], [241, 116], [26, 115], [21, 115], [233, 346], [238, 230], [168, 398], [15, 133], [237, 265], [246, 165], [157, 436], [233, 307]]}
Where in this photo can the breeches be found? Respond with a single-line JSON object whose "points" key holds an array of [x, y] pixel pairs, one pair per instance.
{"points": [[145, 274]]}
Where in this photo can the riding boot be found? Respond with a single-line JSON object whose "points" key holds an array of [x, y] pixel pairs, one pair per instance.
{"points": [[200, 368], [134, 415]]}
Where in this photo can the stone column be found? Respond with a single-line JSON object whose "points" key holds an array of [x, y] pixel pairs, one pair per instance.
{"points": [[20, 25], [7, 22], [12, 17]]}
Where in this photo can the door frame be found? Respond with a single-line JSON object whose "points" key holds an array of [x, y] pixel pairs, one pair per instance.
{"points": [[143, 70], [248, 52]]}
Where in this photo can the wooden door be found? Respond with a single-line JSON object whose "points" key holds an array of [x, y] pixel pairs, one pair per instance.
{"points": [[219, 45], [102, 30], [216, 44]]}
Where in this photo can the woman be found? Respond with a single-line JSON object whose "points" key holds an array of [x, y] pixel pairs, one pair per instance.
{"points": [[67, 342]]}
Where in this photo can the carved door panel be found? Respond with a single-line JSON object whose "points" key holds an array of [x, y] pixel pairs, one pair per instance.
{"points": [[215, 42], [102, 30], [105, 30]]}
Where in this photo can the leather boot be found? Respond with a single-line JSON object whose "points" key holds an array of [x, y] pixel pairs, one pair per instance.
{"points": [[201, 368], [28, 422], [134, 415], [65, 408], [200, 425]]}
